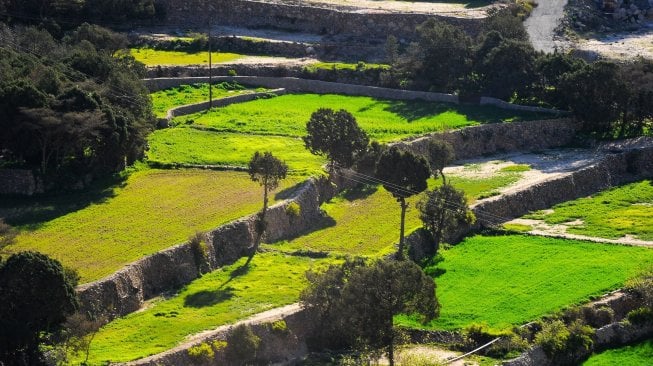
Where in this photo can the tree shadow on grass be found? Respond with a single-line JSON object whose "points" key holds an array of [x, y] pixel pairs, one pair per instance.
{"points": [[33, 212], [359, 192], [207, 298], [288, 192]]}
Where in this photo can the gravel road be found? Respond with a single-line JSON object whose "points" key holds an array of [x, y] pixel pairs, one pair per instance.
{"points": [[542, 23]]}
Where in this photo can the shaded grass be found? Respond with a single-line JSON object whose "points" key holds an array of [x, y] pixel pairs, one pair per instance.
{"points": [[192, 146], [634, 355], [510, 280], [151, 57], [154, 210], [365, 221], [383, 120], [344, 66], [164, 100], [625, 210], [221, 297]]}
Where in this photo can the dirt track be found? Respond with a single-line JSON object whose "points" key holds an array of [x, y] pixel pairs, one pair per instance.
{"points": [[543, 21]]}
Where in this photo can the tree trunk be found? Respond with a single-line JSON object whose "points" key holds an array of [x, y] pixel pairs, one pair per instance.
{"points": [[259, 224], [391, 352], [404, 205]]}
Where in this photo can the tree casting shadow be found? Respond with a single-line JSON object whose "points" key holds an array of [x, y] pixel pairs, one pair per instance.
{"points": [[208, 298]]}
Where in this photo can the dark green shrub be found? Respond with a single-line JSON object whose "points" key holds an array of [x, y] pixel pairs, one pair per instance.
{"points": [[200, 252], [641, 315], [242, 345], [201, 353], [293, 210]]}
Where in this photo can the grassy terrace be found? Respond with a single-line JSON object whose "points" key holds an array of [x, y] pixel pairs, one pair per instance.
{"points": [[625, 210], [383, 120], [164, 100], [365, 221], [510, 280], [151, 57], [635, 355], [99, 232], [193, 146], [221, 297]]}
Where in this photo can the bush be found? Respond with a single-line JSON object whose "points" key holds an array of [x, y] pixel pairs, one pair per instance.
{"points": [[293, 210], [201, 353], [641, 315], [200, 252], [553, 337], [565, 344], [242, 345], [279, 327]]}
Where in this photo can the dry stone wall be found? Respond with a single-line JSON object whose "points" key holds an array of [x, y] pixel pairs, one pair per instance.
{"points": [[19, 182], [304, 17], [126, 290]]}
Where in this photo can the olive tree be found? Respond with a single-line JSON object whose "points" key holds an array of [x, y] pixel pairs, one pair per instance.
{"points": [[443, 211], [440, 154], [268, 171], [335, 135], [403, 174]]}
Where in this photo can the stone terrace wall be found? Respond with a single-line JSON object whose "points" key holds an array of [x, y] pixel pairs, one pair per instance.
{"points": [[503, 137], [19, 182], [126, 290], [307, 86], [304, 18], [612, 170]]}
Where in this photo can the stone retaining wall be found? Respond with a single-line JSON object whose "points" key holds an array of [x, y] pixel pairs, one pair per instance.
{"points": [[303, 17], [126, 290], [19, 182]]}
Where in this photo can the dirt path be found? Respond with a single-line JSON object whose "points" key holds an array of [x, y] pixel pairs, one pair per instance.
{"points": [[621, 45], [413, 354], [390, 6], [264, 317], [543, 21]]}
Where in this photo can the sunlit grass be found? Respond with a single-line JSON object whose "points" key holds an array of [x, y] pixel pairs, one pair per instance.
{"points": [[151, 57]]}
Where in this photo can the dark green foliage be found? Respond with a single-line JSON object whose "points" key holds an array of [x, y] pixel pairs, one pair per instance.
{"points": [[441, 153], [444, 211], [366, 162], [335, 135], [357, 303], [593, 93], [71, 109], [35, 297], [507, 68], [507, 23], [565, 344], [440, 57], [403, 174], [242, 345]]}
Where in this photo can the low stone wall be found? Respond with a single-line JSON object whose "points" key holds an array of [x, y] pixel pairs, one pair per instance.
{"points": [[299, 16], [284, 347], [221, 102], [307, 86], [505, 105], [126, 290], [20, 182], [612, 170], [495, 138]]}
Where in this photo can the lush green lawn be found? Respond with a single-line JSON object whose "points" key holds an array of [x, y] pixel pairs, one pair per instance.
{"points": [[610, 214], [192, 146], [383, 120], [151, 57], [164, 100], [510, 280], [365, 221], [152, 211], [217, 298], [635, 355]]}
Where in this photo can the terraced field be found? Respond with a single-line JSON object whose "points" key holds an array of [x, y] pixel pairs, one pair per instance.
{"points": [[634, 355], [151, 57]]}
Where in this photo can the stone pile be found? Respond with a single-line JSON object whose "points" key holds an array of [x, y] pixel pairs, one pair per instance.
{"points": [[633, 11]]}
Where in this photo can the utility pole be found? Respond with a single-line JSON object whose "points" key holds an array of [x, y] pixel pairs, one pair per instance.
{"points": [[210, 66]]}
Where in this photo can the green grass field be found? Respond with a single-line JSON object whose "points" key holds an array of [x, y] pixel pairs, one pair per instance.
{"points": [[151, 57], [344, 66], [193, 146], [221, 297], [365, 221], [635, 355], [510, 280], [625, 210], [383, 120], [164, 100], [153, 210]]}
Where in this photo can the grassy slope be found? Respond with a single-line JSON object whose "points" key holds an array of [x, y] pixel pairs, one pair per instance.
{"points": [[383, 120], [163, 100], [635, 355], [154, 210], [508, 280], [217, 298], [366, 221], [152, 57], [192, 146], [611, 214]]}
